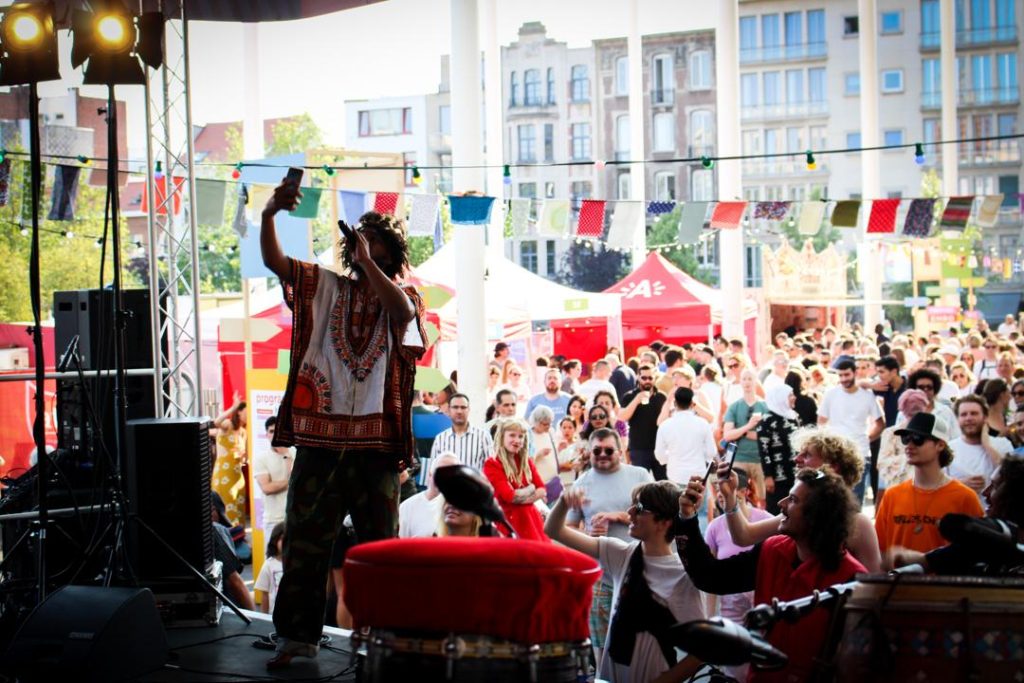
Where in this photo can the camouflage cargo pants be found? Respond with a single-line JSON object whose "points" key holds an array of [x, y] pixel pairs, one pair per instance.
{"points": [[325, 486]]}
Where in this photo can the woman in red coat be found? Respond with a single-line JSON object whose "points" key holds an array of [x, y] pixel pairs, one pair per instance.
{"points": [[517, 485]]}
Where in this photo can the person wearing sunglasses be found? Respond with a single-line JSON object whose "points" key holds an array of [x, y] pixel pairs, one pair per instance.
{"points": [[603, 512], [908, 516], [651, 590], [986, 367], [807, 554]]}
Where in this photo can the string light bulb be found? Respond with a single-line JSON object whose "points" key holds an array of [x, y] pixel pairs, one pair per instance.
{"points": [[919, 154], [707, 162], [599, 164], [417, 177], [83, 160], [506, 174], [68, 234], [329, 170], [237, 173], [811, 163], [24, 232], [158, 172]]}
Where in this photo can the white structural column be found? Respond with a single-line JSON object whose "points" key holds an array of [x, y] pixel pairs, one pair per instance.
{"points": [[637, 151], [467, 105], [493, 130], [252, 148], [871, 186], [950, 131], [730, 179]]}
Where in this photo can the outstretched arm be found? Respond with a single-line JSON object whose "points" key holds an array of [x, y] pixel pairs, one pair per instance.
{"points": [[286, 196], [556, 529]]}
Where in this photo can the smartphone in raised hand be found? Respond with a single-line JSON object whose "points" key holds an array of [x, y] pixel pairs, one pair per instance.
{"points": [[730, 455], [294, 176], [712, 466]]}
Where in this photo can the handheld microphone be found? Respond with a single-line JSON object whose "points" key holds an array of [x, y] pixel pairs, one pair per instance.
{"points": [[723, 642]]}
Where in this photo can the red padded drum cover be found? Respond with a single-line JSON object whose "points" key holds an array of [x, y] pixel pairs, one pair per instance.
{"points": [[524, 591]]}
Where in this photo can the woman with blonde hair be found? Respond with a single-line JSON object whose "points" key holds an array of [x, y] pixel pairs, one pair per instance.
{"points": [[817, 447], [961, 375], [456, 522], [517, 484]]}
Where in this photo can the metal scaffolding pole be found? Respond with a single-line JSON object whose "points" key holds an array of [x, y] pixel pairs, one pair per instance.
{"points": [[173, 244]]}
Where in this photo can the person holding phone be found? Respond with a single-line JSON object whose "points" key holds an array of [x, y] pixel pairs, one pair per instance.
{"points": [[347, 405], [685, 444], [740, 425]]}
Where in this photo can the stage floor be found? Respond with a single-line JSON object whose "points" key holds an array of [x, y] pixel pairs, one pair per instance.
{"points": [[231, 656]]}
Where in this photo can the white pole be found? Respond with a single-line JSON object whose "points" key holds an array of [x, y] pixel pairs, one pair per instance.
{"points": [[730, 179], [871, 186], [637, 172], [467, 103], [493, 126], [252, 146], [950, 131]]}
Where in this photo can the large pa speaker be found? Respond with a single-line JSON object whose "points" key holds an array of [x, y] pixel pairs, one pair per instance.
{"points": [[89, 314], [88, 633], [169, 473]]}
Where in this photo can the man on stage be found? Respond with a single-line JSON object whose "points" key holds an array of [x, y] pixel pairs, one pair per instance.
{"points": [[347, 407]]}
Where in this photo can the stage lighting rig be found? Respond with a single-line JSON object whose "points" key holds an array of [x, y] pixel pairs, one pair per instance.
{"points": [[28, 44], [116, 43]]}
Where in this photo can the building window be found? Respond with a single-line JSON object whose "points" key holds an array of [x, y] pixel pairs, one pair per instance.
{"points": [[795, 140], [816, 85], [1006, 76], [550, 258], [892, 80], [665, 186], [663, 83], [444, 117], [700, 70], [664, 132], [549, 189], [409, 160], [702, 129], [579, 83], [816, 31], [622, 76], [549, 142], [794, 23], [748, 38], [445, 174], [528, 190], [851, 26], [851, 84], [1009, 186], [513, 89], [795, 86], [702, 185], [527, 143], [772, 88], [578, 191], [932, 130], [752, 265], [397, 121], [853, 140], [893, 136], [531, 87], [771, 38], [892, 22], [748, 90], [551, 85], [818, 137], [931, 83], [622, 186], [528, 255], [580, 133], [622, 137]]}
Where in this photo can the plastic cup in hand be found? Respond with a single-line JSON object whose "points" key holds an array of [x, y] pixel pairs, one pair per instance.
{"points": [[645, 398]]}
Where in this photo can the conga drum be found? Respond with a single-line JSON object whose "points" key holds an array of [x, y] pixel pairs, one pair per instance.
{"points": [[470, 609], [925, 628]]}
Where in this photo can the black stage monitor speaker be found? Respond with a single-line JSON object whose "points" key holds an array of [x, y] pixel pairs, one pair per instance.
{"points": [[89, 314], [89, 633], [169, 473]]}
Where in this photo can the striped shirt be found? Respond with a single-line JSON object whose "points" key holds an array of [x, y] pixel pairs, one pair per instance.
{"points": [[472, 447]]}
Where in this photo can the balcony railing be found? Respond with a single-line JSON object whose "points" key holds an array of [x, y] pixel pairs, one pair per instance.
{"points": [[974, 37], [694, 151], [781, 166], [974, 98], [987, 153], [787, 110], [663, 96], [783, 53]]}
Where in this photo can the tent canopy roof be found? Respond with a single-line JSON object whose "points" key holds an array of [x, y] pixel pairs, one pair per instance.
{"points": [[512, 287], [658, 287]]}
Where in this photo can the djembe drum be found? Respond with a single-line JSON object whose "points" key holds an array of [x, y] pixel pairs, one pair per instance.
{"points": [[470, 609]]}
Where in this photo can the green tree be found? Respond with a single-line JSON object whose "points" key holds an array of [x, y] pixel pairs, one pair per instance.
{"points": [[293, 135], [664, 231], [591, 267]]}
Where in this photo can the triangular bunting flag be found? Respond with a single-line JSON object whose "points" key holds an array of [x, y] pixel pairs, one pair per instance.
{"points": [[353, 206], [424, 214], [691, 221], [958, 211], [65, 192], [988, 212], [883, 216], [727, 215], [920, 216], [520, 216], [241, 222], [471, 209], [309, 205], [657, 208], [846, 213], [811, 215], [385, 203], [772, 211], [627, 222], [210, 196], [591, 220], [259, 195], [554, 218]]}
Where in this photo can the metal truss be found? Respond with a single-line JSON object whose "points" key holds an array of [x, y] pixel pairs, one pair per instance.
{"points": [[173, 245]]}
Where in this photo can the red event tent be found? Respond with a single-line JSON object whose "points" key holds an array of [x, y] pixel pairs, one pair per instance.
{"points": [[659, 301]]}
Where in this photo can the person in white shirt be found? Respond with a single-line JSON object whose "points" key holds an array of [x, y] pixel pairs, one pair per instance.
{"points": [[1007, 326], [272, 469], [849, 409], [598, 381], [685, 442], [986, 367], [419, 515], [471, 445], [976, 454], [779, 370], [271, 572]]}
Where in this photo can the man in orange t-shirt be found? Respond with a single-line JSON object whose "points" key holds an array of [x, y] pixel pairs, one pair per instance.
{"points": [[909, 513]]}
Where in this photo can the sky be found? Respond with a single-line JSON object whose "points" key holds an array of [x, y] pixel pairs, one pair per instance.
{"points": [[388, 48]]}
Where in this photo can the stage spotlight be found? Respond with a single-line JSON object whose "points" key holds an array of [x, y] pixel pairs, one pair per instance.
{"points": [[28, 53], [113, 41]]}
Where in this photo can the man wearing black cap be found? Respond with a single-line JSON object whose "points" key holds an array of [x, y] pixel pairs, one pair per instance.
{"points": [[909, 513], [501, 354]]}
